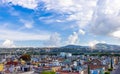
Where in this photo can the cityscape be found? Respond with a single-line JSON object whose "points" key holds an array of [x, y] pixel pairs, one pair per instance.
{"points": [[59, 36]]}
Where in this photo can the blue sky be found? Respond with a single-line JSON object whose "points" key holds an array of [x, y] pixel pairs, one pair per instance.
{"points": [[41, 23]]}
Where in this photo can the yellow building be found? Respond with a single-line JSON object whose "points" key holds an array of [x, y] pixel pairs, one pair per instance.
{"points": [[1, 67], [56, 68]]}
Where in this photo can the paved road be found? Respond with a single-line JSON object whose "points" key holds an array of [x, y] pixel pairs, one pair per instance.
{"points": [[117, 71]]}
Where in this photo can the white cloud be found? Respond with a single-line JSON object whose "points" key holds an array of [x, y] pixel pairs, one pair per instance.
{"points": [[68, 6], [99, 17], [106, 17], [54, 40], [81, 31], [73, 39], [8, 43], [58, 5], [116, 34], [102, 17], [80, 11], [94, 42], [30, 4], [27, 24], [17, 35]]}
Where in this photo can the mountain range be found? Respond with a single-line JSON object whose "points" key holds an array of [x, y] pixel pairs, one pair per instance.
{"points": [[99, 46]]}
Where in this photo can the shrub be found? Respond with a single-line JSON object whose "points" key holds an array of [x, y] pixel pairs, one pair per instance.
{"points": [[110, 69], [48, 72], [107, 72]]}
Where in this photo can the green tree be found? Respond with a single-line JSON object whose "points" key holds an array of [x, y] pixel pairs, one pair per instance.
{"points": [[25, 57], [111, 63], [88, 69]]}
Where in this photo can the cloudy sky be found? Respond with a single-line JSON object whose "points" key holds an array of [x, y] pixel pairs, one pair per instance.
{"points": [[59, 22]]}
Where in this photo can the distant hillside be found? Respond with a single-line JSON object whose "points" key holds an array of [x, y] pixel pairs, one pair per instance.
{"points": [[75, 46], [99, 46], [103, 46]]}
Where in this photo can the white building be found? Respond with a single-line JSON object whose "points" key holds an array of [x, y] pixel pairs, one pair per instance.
{"points": [[63, 54]]}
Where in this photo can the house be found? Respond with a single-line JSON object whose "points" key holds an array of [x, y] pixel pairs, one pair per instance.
{"points": [[96, 64]]}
